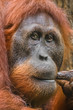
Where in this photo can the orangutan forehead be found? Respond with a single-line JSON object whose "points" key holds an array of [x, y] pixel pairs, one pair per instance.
{"points": [[40, 19]]}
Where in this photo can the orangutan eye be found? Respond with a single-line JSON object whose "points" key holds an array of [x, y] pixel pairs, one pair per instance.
{"points": [[49, 37], [35, 36]]}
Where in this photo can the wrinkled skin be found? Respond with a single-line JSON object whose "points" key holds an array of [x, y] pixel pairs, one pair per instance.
{"points": [[35, 56]]}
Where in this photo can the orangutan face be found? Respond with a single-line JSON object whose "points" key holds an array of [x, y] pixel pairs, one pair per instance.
{"points": [[36, 55]]}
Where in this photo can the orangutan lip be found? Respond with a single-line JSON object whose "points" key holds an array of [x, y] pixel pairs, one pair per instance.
{"points": [[43, 79]]}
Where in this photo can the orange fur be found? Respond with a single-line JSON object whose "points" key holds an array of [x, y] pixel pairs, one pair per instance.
{"points": [[8, 101], [15, 12], [4, 80]]}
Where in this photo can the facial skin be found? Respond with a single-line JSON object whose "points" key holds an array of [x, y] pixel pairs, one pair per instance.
{"points": [[35, 56]]}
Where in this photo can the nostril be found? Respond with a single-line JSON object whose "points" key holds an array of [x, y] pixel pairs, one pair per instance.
{"points": [[43, 57]]}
